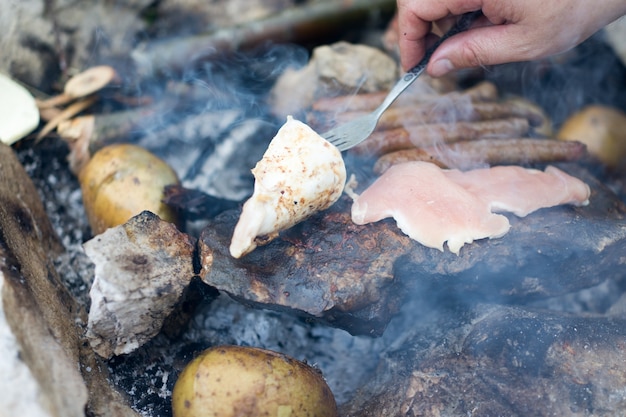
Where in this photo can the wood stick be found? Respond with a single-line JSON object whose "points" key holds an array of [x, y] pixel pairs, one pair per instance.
{"points": [[310, 23], [41, 320], [385, 141], [474, 154], [484, 91]]}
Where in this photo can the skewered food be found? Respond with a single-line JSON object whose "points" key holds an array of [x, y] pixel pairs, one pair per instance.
{"points": [[300, 174]]}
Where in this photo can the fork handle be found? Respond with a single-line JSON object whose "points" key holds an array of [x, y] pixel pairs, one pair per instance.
{"points": [[407, 79]]}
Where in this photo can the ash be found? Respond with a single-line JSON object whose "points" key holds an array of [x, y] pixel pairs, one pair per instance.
{"points": [[149, 374], [60, 193]]}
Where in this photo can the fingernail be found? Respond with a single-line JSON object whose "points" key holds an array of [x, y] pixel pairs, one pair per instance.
{"points": [[441, 67]]}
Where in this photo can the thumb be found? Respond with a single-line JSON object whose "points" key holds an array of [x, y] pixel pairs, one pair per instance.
{"points": [[489, 45]]}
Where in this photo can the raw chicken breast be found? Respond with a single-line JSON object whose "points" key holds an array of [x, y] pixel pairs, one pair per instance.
{"points": [[428, 207], [520, 190], [433, 206], [300, 174]]}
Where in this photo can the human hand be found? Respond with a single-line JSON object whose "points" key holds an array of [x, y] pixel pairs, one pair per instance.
{"points": [[511, 30]]}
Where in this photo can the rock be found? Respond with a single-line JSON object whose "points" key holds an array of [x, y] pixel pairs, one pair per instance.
{"points": [[355, 277], [499, 360], [38, 42], [326, 268], [340, 68], [142, 270]]}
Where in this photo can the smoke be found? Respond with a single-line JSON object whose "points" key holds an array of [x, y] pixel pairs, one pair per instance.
{"points": [[589, 74]]}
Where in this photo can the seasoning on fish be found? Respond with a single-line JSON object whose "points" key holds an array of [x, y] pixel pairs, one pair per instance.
{"points": [[433, 205], [300, 174]]}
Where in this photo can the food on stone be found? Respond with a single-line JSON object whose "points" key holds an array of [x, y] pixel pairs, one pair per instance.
{"points": [[522, 191], [122, 180], [428, 207], [434, 206], [436, 134], [300, 174], [602, 129], [229, 381]]}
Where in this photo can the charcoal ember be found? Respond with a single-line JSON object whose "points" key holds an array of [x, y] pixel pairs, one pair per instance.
{"points": [[141, 271], [326, 268], [498, 360], [547, 253]]}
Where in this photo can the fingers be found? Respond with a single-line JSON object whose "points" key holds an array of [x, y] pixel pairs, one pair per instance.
{"points": [[416, 18], [411, 37], [483, 46], [510, 31]]}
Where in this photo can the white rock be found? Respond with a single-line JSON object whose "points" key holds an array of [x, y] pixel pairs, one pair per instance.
{"points": [[141, 270]]}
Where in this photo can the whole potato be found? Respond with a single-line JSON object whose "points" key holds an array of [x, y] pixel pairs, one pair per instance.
{"points": [[602, 129], [122, 180], [229, 381]]}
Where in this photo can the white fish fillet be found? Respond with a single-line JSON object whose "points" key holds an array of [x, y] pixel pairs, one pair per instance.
{"points": [[520, 190], [434, 206], [300, 174], [428, 207]]}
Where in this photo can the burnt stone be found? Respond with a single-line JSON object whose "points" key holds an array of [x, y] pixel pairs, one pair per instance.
{"points": [[497, 360], [355, 277], [326, 268]]}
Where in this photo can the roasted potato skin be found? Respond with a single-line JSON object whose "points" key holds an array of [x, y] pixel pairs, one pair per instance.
{"points": [[229, 381], [602, 129], [122, 180]]}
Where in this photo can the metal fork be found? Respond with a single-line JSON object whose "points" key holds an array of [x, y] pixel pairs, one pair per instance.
{"points": [[356, 131]]}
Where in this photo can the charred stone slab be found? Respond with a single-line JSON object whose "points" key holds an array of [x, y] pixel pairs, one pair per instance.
{"points": [[326, 267], [355, 277], [502, 361]]}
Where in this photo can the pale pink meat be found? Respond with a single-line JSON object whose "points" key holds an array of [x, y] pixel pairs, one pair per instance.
{"points": [[428, 207], [433, 206], [520, 190]]}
